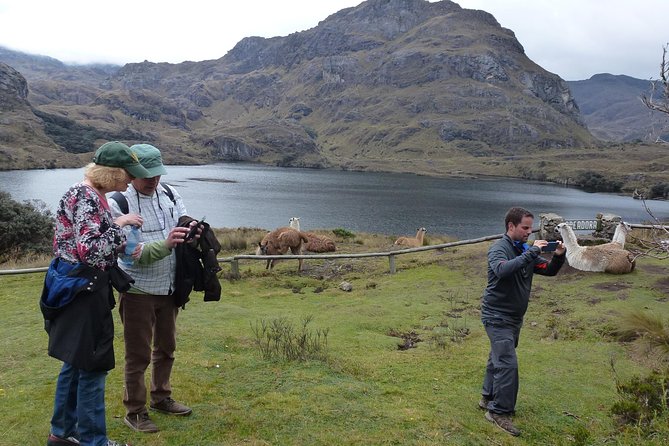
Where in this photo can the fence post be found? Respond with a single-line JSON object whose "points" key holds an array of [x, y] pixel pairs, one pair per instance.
{"points": [[391, 261], [234, 269]]}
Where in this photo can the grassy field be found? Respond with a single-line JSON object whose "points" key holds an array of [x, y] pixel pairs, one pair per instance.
{"points": [[366, 391]]}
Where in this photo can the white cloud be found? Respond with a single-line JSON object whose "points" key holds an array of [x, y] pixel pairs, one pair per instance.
{"points": [[578, 38]]}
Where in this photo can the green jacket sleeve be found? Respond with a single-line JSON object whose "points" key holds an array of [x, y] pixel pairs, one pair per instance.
{"points": [[154, 251]]}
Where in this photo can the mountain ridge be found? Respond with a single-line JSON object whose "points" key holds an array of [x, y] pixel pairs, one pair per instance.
{"points": [[613, 111], [402, 84]]}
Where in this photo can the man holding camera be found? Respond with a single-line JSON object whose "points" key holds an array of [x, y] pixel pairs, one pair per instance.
{"points": [[148, 310], [511, 266]]}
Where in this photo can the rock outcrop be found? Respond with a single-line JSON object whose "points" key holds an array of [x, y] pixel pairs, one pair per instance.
{"points": [[23, 142]]}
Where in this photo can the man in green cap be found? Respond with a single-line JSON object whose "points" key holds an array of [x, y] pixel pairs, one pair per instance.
{"points": [[148, 311]]}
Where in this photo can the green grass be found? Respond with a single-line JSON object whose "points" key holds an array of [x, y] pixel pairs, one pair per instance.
{"points": [[368, 392]]}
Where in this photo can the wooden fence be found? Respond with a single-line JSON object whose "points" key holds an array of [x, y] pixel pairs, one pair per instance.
{"points": [[234, 260]]}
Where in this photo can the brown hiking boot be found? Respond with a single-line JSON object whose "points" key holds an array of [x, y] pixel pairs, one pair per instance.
{"points": [[483, 403], [503, 422], [140, 422], [171, 407]]}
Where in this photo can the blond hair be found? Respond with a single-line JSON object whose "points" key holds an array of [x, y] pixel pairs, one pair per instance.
{"points": [[104, 177]]}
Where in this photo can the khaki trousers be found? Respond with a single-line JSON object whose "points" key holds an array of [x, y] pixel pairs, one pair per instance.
{"points": [[147, 318]]}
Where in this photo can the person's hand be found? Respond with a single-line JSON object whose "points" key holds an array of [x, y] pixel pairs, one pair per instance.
{"points": [[560, 248], [129, 219], [176, 236], [137, 253], [197, 233], [540, 244]]}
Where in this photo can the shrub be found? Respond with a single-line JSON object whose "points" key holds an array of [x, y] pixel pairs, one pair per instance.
{"points": [[642, 399], [278, 339], [25, 228], [660, 190], [596, 182], [343, 233]]}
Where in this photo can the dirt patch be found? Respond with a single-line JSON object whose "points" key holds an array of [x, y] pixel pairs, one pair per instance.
{"points": [[568, 271], [329, 270], [612, 286], [661, 285], [409, 339], [454, 313], [653, 269]]}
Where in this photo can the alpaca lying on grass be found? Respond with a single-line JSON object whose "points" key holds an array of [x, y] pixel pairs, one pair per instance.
{"points": [[621, 234], [279, 241], [608, 258], [315, 243], [413, 242]]}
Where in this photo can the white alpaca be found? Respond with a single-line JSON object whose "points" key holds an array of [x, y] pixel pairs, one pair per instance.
{"points": [[622, 230], [294, 223], [316, 243], [608, 258], [414, 242]]}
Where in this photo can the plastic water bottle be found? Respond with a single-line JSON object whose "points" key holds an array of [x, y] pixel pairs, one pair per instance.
{"points": [[132, 239]]}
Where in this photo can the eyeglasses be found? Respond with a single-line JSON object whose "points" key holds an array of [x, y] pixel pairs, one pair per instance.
{"points": [[161, 222]]}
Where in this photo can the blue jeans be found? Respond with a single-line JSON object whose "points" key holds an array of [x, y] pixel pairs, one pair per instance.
{"points": [[79, 406]]}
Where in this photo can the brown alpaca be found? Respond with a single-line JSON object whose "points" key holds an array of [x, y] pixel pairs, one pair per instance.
{"points": [[413, 242], [319, 243], [279, 241]]}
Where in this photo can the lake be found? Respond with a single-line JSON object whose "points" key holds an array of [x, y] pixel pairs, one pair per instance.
{"points": [[240, 194]]}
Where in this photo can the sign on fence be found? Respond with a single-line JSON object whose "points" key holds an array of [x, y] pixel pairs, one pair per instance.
{"points": [[582, 224]]}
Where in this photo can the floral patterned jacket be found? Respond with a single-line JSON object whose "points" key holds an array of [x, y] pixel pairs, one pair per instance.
{"points": [[85, 230]]}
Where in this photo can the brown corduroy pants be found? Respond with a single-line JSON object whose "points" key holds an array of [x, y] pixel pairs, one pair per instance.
{"points": [[147, 318]]}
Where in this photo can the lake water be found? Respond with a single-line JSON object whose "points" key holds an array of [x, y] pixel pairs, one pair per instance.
{"points": [[238, 194]]}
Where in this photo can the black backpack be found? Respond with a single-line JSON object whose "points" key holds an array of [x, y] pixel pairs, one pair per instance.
{"points": [[122, 202]]}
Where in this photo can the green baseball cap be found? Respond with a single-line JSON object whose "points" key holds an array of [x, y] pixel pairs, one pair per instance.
{"points": [[150, 158], [117, 154]]}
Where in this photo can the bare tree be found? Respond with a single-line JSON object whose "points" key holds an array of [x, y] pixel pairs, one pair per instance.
{"points": [[659, 87], [655, 239]]}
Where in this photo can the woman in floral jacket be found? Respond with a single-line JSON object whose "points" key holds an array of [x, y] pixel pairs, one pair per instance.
{"points": [[78, 314]]}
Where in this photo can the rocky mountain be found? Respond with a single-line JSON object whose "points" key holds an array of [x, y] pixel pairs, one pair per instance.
{"points": [[23, 140], [612, 109], [390, 84]]}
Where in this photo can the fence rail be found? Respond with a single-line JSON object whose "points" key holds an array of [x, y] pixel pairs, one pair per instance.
{"points": [[234, 260]]}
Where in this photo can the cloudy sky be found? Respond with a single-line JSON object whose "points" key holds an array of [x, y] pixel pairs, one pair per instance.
{"points": [[572, 38]]}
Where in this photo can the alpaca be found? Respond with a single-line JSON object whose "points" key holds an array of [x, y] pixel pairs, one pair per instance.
{"points": [[608, 258], [278, 242], [622, 230], [315, 243], [412, 241], [294, 223]]}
